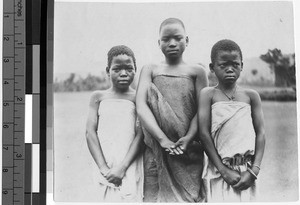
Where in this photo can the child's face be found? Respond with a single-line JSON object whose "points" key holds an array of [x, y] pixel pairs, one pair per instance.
{"points": [[227, 66], [121, 71], [172, 40]]}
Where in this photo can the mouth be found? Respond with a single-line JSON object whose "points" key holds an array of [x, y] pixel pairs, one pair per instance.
{"points": [[123, 81], [172, 51], [229, 77]]}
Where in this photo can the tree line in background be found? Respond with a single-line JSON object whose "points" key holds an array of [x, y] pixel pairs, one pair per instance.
{"points": [[283, 67], [75, 83]]}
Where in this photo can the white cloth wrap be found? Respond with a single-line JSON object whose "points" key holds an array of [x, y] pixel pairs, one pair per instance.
{"points": [[233, 133], [116, 131]]}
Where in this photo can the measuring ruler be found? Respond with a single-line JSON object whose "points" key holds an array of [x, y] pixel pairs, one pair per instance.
{"points": [[13, 61]]}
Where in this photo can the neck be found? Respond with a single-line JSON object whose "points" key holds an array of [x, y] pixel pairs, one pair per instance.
{"points": [[227, 86], [174, 61], [120, 90]]}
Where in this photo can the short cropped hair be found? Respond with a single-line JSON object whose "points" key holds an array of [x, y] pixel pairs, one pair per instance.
{"points": [[224, 45], [119, 50], [171, 21]]}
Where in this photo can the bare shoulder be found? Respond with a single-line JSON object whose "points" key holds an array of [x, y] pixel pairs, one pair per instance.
{"points": [[207, 92], [97, 96], [149, 67], [252, 94], [198, 69]]}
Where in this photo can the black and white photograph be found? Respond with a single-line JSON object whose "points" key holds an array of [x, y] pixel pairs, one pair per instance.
{"points": [[189, 102]]}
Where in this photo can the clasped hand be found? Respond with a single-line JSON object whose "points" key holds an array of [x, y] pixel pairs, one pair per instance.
{"points": [[239, 181], [176, 148], [114, 175]]}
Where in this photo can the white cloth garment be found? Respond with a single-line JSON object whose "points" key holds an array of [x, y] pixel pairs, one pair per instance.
{"points": [[116, 131], [233, 133]]}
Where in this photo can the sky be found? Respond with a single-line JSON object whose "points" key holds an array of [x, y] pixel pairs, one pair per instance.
{"points": [[84, 32]]}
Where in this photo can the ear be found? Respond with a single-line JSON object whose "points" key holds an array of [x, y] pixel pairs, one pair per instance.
{"points": [[187, 40], [211, 67], [242, 64], [158, 41], [107, 71]]}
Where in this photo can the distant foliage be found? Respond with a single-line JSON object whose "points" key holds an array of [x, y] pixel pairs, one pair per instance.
{"points": [[283, 66], [75, 83]]}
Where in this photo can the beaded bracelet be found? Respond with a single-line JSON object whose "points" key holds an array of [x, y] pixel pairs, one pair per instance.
{"points": [[251, 172]]}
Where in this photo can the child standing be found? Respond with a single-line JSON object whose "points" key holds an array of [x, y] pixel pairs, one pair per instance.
{"points": [[231, 129], [112, 136], [167, 106]]}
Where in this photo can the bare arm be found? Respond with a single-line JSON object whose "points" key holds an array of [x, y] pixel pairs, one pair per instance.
{"points": [[145, 115], [247, 179], [200, 82], [91, 135], [204, 116], [258, 123]]}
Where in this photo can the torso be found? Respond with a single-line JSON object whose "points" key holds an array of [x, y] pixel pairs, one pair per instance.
{"points": [[179, 70]]}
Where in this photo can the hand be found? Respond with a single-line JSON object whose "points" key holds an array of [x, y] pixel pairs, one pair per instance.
{"points": [[182, 144], [115, 175], [230, 176], [104, 170], [170, 147], [245, 182]]}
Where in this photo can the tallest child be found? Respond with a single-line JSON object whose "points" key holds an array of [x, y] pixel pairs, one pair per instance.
{"points": [[167, 106]]}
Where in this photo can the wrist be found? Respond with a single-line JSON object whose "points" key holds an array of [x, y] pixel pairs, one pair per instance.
{"points": [[189, 138], [253, 175], [103, 167], [222, 169], [255, 170], [163, 141]]}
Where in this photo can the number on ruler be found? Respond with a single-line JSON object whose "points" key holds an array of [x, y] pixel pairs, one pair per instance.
{"points": [[6, 38], [19, 98], [6, 60]]}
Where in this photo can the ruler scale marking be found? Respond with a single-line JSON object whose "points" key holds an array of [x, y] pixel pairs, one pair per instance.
{"points": [[13, 62]]}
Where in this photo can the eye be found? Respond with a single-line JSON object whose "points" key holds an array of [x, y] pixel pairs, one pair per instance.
{"points": [[130, 69], [116, 70], [223, 65], [235, 65], [178, 38]]}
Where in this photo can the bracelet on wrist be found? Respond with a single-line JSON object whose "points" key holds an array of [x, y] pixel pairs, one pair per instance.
{"points": [[252, 173]]}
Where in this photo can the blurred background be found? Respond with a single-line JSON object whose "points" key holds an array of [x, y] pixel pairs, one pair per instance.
{"points": [[84, 32]]}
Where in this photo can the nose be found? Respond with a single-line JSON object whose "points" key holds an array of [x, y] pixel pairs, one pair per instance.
{"points": [[123, 72], [229, 68], [172, 42]]}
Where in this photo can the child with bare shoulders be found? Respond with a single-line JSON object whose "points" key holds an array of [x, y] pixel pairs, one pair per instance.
{"points": [[112, 136], [231, 129], [167, 107]]}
